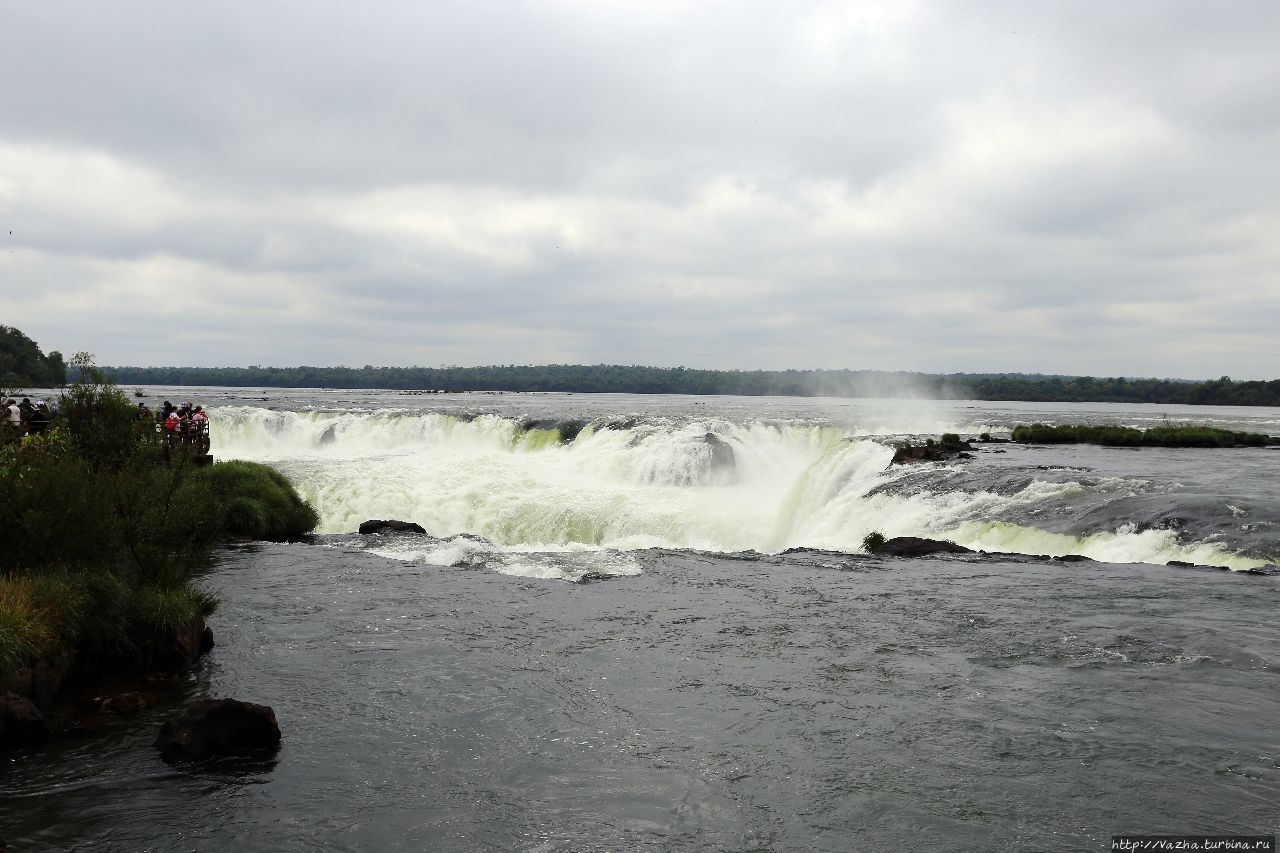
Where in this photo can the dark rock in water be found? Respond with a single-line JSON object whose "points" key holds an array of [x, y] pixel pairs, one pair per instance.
{"points": [[213, 727], [1182, 564], [39, 681], [722, 458], [568, 429], [931, 452], [125, 703], [377, 525], [1074, 558], [171, 652], [1268, 570], [329, 436], [21, 723], [913, 546], [48, 675], [594, 576], [175, 653]]}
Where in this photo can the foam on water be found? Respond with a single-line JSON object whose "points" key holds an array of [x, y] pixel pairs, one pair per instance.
{"points": [[657, 483], [567, 562]]}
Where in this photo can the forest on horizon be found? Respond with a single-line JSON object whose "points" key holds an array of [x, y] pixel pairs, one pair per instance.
{"points": [[635, 379], [22, 364]]}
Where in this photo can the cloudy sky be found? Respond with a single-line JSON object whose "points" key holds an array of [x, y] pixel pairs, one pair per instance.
{"points": [[1065, 187]]}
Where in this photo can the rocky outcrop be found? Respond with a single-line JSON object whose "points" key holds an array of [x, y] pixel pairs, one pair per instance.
{"points": [[124, 703], [214, 727], [378, 525], [21, 723], [568, 429], [41, 680], [176, 653], [914, 546], [36, 685], [932, 451], [157, 653], [722, 458]]}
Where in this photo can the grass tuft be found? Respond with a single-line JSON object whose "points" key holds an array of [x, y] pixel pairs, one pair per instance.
{"points": [[165, 611]]}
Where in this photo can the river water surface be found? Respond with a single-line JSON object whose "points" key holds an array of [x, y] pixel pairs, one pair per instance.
{"points": [[615, 638]]}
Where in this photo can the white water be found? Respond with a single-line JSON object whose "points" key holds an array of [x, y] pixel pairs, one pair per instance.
{"points": [[792, 484]]}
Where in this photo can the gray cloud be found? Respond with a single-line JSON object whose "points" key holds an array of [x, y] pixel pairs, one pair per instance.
{"points": [[1057, 187]]}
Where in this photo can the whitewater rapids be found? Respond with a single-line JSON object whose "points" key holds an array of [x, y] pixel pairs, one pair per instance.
{"points": [[488, 485]]}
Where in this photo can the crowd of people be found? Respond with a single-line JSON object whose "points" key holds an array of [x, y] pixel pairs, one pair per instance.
{"points": [[185, 424], [27, 418]]}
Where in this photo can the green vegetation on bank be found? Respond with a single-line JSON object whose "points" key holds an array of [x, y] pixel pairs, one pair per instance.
{"points": [[258, 502], [1169, 435], [23, 365], [104, 529], [634, 379]]}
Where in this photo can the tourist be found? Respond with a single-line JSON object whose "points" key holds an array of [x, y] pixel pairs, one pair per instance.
{"points": [[200, 429], [40, 417], [13, 416], [172, 423]]}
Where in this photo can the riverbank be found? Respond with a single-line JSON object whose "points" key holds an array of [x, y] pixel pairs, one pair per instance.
{"points": [[106, 526]]}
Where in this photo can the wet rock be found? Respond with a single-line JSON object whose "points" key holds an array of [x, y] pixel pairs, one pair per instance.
{"points": [[1074, 558], [913, 546], [177, 652], [159, 653], [568, 429], [21, 723], [1182, 564], [329, 436], [378, 525], [39, 681], [942, 451], [125, 703], [722, 458], [214, 727]]}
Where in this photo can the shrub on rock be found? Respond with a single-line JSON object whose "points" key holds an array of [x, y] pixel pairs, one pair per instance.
{"points": [[259, 502], [380, 525]]}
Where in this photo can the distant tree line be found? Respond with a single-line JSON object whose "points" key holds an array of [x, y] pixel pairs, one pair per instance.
{"points": [[634, 379], [23, 365]]}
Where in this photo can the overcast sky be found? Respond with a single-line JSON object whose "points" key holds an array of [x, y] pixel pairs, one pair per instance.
{"points": [[1069, 187]]}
